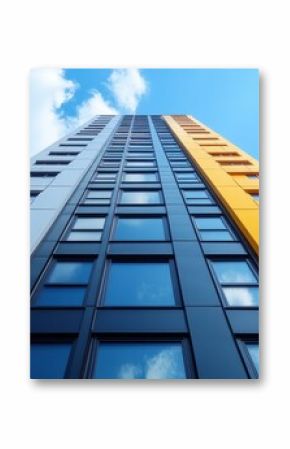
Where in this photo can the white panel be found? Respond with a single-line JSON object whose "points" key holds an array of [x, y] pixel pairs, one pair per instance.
{"points": [[40, 221], [52, 198]]}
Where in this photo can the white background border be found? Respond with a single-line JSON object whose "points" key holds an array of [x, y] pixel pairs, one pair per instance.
{"points": [[145, 34]]}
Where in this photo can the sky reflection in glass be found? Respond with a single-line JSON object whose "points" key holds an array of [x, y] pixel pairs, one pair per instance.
{"points": [[139, 284], [233, 272], [140, 229], [139, 361]]}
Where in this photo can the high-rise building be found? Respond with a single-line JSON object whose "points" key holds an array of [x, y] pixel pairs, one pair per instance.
{"points": [[144, 253]]}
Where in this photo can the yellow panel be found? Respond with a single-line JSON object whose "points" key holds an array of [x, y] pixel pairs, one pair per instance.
{"points": [[230, 187], [249, 223], [236, 197]]}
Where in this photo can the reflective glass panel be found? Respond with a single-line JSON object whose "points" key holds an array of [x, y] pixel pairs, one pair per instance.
{"points": [[195, 194], [100, 194], [140, 229], [140, 177], [209, 223], [233, 272], [89, 223], [216, 236], [84, 236], [140, 197], [160, 360], [139, 284], [70, 273], [242, 296]]}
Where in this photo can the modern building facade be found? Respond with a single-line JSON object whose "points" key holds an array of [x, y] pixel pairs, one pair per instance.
{"points": [[144, 253]]}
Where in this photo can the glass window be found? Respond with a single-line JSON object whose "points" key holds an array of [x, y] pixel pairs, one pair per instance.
{"points": [[141, 197], [195, 194], [49, 360], [216, 236], [213, 229], [140, 177], [138, 360], [143, 284], [106, 194], [106, 176], [242, 296], [253, 350], [98, 197], [209, 223], [239, 283], [197, 197], [89, 223], [140, 229], [140, 164], [70, 273], [84, 236], [86, 229], [186, 176], [61, 296], [234, 272]]}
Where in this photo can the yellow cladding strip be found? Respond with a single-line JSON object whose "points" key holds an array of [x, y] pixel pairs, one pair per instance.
{"points": [[231, 176]]}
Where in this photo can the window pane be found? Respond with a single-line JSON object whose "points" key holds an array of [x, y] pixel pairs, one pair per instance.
{"points": [[89, 223], [84, 236], [216, 236], [49, 360], [253, 349], [242, 296], [99, 194], [140, 229], [141, 197], [234, 272], [140, 164], [140, 177], [96, 201], [209, 223], [61, 296], [195, 194], [139, 361], [70, 273], [139, 284]]}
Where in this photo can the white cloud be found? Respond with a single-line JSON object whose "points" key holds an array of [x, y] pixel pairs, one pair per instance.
{"points": [[50, 90], [127, 86]]}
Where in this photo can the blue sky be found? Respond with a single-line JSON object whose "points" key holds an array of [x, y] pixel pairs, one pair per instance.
{"points": [[226, 100]]}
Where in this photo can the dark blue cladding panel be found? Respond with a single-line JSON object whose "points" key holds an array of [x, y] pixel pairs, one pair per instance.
{"points": [[195, 279], [37, 266], [244, 321], [223, 249], [180, 224], [216, 353], [140, 249], [56, 321], [132, 321], [66, 249]]}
